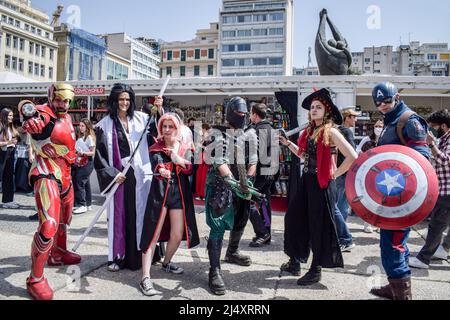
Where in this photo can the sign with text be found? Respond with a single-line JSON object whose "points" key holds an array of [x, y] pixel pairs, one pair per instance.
{"points": [[89, 91]]}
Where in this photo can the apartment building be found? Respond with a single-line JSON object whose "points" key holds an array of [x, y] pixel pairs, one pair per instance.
{"points": [[27, 47], [256, 38], [195, 58]]}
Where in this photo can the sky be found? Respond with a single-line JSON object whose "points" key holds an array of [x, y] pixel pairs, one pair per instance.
{"points": [[363, 23]]}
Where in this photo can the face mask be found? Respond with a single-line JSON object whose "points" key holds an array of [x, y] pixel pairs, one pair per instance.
{"points": [[440, 133], [378, 131]]}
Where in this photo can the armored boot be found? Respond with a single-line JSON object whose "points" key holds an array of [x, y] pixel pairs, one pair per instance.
{"points": [[233, 255], [216, 283], [314, 275], [401, 288], [59, 255], [37, 285]]}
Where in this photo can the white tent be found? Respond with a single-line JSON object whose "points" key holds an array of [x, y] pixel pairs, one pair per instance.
{"points": [[9, 77]]}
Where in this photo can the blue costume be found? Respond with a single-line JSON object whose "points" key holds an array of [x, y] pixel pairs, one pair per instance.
{"points": [[393, 243]]}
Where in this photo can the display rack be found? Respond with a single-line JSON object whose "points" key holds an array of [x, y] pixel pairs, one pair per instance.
{"points": [[280, 120]]}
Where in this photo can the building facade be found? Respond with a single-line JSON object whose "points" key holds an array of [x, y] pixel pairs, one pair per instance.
{"points": [[144, 61], [256, 38], [27, 48], [308, 71], [428, 59], [118, 68], [81, 55], [195, 58]]}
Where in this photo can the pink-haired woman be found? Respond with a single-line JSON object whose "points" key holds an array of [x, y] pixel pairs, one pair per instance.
{"points": [[170, 212]]}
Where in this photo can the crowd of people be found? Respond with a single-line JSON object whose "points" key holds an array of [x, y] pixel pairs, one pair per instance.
{"points": [[167, 169]]}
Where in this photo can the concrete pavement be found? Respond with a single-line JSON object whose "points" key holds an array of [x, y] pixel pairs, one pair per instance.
{"points": [[262, 281]]}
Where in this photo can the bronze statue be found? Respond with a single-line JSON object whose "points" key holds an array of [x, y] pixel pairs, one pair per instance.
{"points": [[333, 56]]}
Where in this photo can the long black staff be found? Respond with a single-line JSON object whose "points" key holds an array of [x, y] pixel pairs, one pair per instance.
{"points": [[114, 185]]}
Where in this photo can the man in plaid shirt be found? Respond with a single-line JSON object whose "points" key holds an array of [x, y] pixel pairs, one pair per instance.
{"points": [[440, 216]]}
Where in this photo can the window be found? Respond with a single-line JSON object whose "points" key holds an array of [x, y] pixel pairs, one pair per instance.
{"points": [[33, 29], [11, 21], [21, 63], [50, 72], [197, 54], [210, 53], [276, 16], [22, 44], [275, 61], [244, 33], [30, 67], [169, 55], [229, 34], [52, 54], [367, 60], [17, 23], [36, 69], [432, 56], [243, 47], [228, 62], [259, 61], [242, 19], [168, 71], [27, 27], [42, 71], [228, 48], [210, 70], [39, 32], [47, 35], [38, 50], [377, 62], [182, 71], [4, 18], [276, 31], [260, 17], [31, 47], [260, 32], [7, 61], [196, 70], [15, 42], [245, 62], [183, 55], [229, 19], [43, 52]]}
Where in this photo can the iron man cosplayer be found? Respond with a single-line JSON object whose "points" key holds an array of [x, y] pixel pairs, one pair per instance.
{"points": [[53, 141]]}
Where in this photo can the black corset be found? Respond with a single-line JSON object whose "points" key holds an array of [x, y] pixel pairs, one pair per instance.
{"points": [[310, 165]]}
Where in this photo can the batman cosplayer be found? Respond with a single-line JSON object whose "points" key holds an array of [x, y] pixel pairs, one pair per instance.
{"points": [[225, 208]]}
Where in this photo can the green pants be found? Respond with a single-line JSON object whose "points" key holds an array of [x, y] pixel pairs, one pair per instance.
{"points": [[219, 224]]}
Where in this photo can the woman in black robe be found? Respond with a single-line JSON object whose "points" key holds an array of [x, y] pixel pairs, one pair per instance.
{"points": [[170, 212], [310, 224]]}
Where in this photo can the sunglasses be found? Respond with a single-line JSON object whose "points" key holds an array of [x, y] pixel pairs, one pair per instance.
{"points": [[387, 100]]}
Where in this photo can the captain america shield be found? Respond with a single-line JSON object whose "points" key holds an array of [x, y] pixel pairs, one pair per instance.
{"points": [[392, 187]]}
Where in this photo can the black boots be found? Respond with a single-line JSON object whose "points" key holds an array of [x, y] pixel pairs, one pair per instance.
{"points": [[216, 283], [314, 275], [397, 289], [292, 266], [233, 255]]}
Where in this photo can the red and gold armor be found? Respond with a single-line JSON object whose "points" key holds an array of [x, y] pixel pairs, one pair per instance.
{"points": [[53, 142]]}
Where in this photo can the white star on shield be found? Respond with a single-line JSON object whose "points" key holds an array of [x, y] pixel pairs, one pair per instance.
{"points": [[391, 182]]}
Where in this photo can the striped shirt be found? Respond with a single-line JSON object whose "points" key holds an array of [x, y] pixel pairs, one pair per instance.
{"points": [[441, 162]]}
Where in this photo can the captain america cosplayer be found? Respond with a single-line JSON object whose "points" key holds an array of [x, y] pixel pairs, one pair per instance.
{"points": [[53, 141], [225, 210], [402, 126]]}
